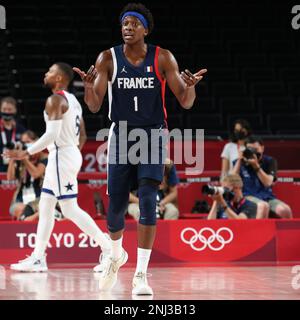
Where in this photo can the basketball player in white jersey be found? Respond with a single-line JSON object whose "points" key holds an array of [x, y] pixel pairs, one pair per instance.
{"points": [[63, 117]]}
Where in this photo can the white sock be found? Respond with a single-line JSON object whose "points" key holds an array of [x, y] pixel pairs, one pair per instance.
{"points": [[116, 248], [84, 222], [45, 225], [143, 257]]}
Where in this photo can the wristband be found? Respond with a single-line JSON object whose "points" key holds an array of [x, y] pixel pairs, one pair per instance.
{"points": [[256, 170]]}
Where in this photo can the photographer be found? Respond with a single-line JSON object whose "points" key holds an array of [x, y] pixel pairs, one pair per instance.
{"points": [[10, 128], [258, 173], [167, 207], [229, 201], [230, 153], [29, 175]]}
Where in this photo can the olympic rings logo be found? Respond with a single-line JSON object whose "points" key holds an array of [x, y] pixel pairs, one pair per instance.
{"points": [[207, 241]]}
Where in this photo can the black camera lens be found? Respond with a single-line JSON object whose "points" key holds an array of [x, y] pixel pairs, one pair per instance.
{"points": [[13, 145], [10, 145], [249, 153], [208, 190]]}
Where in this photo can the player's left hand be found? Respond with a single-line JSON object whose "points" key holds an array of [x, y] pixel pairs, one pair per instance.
{"points": [[192, 79], [15, 154]]}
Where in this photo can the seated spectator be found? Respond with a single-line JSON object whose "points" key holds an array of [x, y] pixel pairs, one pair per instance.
{"points": [[258, 172], [29, 175], [11, 129], [167, 207], [241, 130], [236, 208]]}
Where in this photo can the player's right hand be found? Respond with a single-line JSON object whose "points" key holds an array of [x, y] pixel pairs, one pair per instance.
{"points": [[89, 77]]}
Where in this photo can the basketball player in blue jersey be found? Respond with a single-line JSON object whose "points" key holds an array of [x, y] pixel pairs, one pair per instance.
{"points": [[135, 74]]}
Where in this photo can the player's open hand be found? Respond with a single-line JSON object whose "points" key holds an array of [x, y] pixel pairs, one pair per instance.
{"points": [[192, 79], [89, 77]]}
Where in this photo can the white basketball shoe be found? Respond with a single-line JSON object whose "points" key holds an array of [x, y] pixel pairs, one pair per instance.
{"points": [[109, 274], [140, 285], [31, 264], [103, 259]]}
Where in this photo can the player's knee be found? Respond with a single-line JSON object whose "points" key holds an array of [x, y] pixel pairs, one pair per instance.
{"points": [[118, 204], [147, 199]]}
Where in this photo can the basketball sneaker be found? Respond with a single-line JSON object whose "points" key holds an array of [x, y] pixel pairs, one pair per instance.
{"points": [[140, 285], [103, 260], [109, 275], [31, 264]]}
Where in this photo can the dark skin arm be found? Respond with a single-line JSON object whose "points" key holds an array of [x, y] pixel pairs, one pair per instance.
{"points": [[95, 80], [82, 136], [182, 84], [55, 107]]}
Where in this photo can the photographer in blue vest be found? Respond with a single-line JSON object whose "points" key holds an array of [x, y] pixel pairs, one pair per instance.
{"points": [[258, 172]]}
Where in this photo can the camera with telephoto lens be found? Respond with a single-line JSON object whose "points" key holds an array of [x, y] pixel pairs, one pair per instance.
{"points": [[213, 190], [249, 153], [16, 145]]}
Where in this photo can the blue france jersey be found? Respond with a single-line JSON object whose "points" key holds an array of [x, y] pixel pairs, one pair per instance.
{"points": [[137, 93]]}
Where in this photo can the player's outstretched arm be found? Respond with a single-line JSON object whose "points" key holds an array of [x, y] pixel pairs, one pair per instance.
{"points": [[55, 107], [182, 84], [95, 81]]}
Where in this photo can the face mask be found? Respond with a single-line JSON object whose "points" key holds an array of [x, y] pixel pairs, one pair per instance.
{"points": [[7, 116], [239, 135], [28, 145]]}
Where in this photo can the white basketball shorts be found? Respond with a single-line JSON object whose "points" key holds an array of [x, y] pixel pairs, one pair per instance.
{"points": [[63, 166]]}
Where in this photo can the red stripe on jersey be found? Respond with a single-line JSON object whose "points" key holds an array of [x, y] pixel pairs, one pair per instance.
{"points": [[162, 82], [61, 92]]}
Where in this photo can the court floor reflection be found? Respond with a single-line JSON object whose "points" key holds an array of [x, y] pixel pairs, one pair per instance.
{"points": [[173, 283]]}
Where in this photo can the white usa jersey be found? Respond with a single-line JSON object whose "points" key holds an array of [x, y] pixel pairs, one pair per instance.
{"points": [[65, 159], [70, 130]]}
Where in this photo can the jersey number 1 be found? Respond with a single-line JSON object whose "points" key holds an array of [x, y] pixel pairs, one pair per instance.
{"points": [[135, 103]]}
